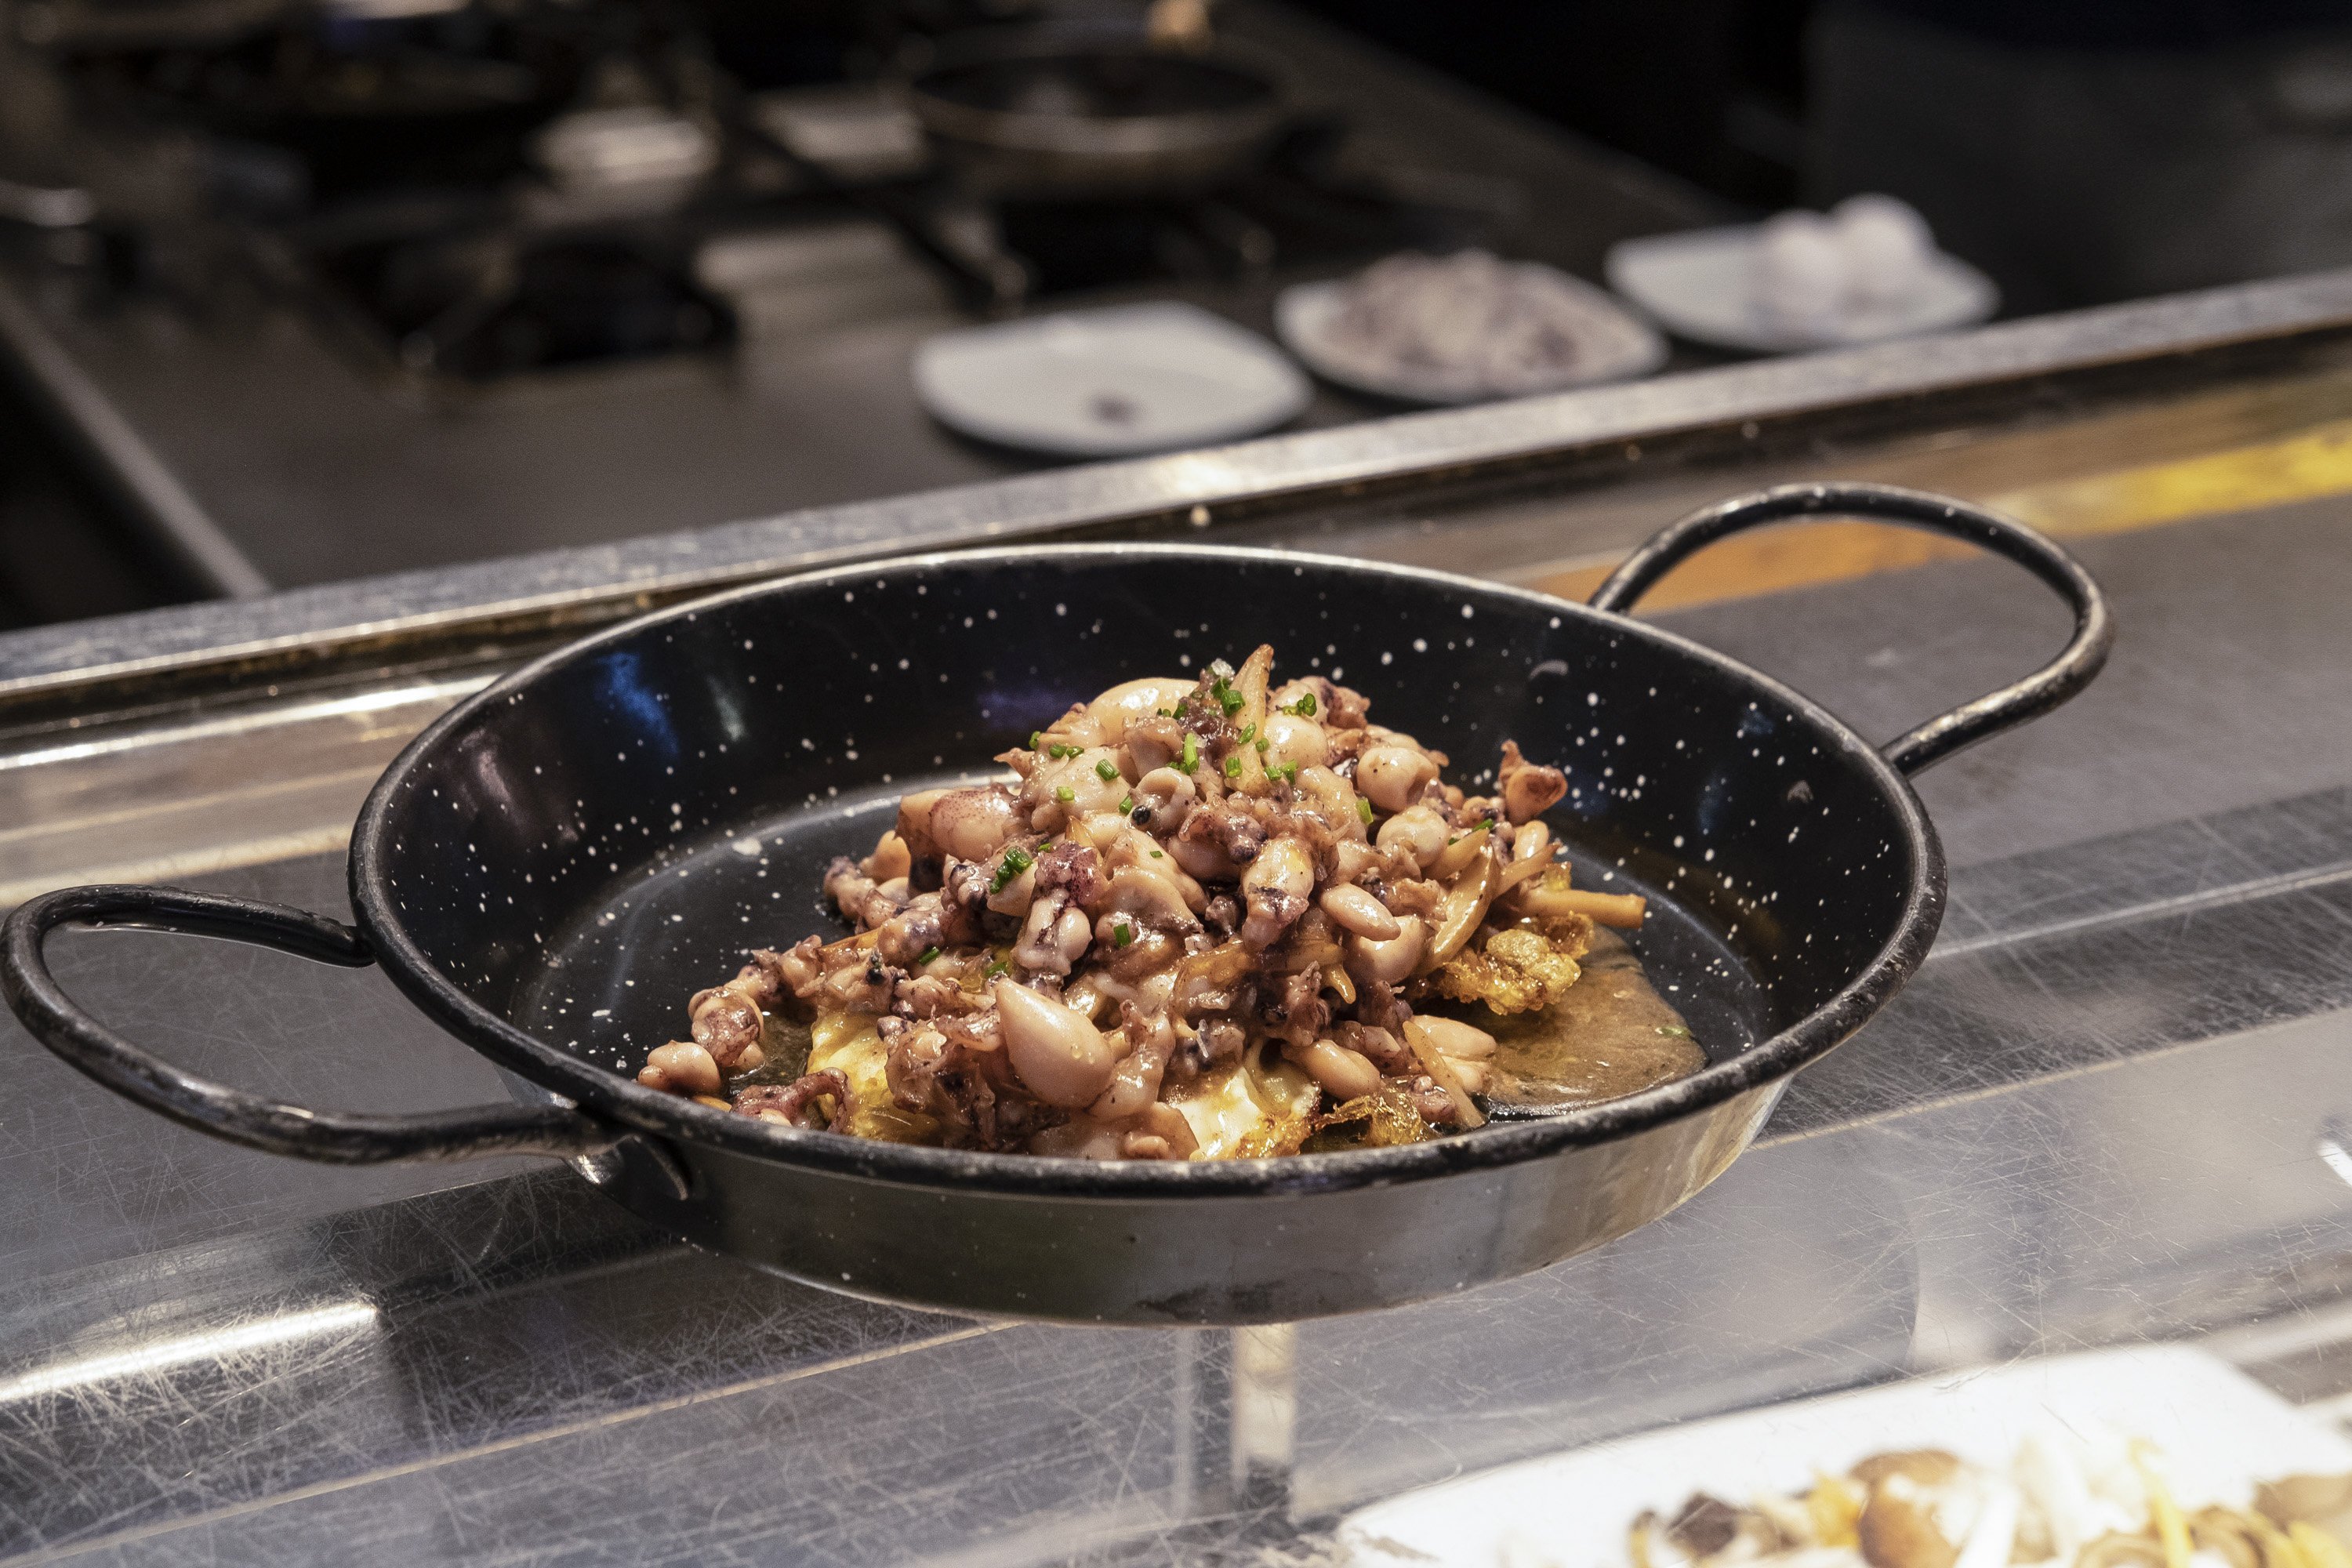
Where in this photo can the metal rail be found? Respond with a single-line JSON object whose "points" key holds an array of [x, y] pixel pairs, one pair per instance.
{"points": [[453, 616]]}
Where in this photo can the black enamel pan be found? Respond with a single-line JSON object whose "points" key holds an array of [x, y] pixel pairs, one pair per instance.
{"points": [[1088, 112], [554, 866]]}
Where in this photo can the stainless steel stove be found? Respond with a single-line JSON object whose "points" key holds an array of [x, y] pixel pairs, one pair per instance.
{"points": [[392, 283]]}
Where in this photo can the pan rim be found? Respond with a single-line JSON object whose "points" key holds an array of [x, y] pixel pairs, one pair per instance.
{"points": [[610, 1095]]}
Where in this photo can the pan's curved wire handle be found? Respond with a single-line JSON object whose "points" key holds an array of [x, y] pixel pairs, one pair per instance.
{"points": [[337, 1138], [2053, 683]]}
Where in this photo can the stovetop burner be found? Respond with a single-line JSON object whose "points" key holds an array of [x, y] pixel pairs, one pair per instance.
{"points": [[361, 104], [482, 307], [1294, 211]]}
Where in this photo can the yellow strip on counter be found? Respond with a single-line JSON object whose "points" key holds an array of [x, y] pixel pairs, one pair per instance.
{"points": [[2315, 463]]}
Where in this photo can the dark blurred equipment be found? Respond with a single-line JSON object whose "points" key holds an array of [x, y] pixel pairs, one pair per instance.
{"points": [[1711, 91], [2112, 26], [358, 285], [65, 552], [484, 191], [2078, 151], [2090, 153]]}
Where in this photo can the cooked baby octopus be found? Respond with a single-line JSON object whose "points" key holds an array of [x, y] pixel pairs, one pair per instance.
{"points": [[1198, 918]]}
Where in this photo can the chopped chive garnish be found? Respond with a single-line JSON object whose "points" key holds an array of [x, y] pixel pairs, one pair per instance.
{"points": [[1122, 933], [1066, 794], [1105, 770], [1036, 736], [1455, 839], [1125, 803], [1262, 747], [1159, 855], [928, 953], [1249, 733], [1233, 766], [1305, 706], [1287, 772], [1015, 861], [1364, 810], [993, 970], [1192, 757], [1232, 703]]}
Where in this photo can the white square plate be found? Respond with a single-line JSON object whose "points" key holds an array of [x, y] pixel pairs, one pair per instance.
{"points": [[1113, 383], [1695, 283]]}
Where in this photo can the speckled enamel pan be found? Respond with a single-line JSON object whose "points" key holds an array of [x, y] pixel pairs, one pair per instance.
{"points": [[558, 862]]}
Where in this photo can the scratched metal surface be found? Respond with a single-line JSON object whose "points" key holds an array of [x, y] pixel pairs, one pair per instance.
{"points": [[2094, 1117]]}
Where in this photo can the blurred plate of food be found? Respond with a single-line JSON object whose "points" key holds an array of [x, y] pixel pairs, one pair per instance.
{"points": [[1112, 382], [1865, 271], [2157, 1457], [1466, 328]]}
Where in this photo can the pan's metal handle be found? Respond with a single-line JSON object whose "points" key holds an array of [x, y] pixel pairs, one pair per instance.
{"points": [[334, 1137], [2062, 677]]}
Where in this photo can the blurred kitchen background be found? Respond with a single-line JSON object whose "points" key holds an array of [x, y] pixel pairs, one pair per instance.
{"points": [[293, 291]]}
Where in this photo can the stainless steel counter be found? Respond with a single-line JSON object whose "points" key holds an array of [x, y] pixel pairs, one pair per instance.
{"points": [[2108, 1109]]}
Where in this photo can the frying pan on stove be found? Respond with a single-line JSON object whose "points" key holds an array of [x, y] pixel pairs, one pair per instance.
{"points": [[557, 863], [1088, 112]]}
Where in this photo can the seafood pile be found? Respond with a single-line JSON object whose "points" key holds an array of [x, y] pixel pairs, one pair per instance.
{"points": [[2071, 1496], [1473, 325], [1198, 918]]}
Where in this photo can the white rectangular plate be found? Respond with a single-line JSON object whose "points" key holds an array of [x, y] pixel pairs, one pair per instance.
{"points": [[2219, 1433]]}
